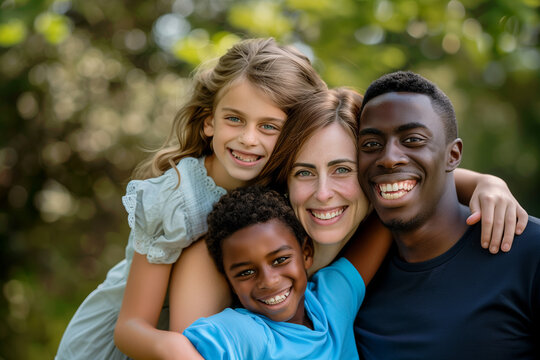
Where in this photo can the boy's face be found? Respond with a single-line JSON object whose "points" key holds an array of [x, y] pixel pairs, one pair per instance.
{"points": [[266, 267]]}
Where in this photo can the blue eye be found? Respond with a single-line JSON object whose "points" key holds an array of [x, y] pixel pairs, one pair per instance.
{"points": [[269, 127], [303, 173], [233, 119], [343, 170]]}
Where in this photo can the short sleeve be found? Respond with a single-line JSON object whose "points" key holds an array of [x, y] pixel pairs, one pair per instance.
{"points": [[210, 341], [229, 335], [341, 285], [157, 218]]}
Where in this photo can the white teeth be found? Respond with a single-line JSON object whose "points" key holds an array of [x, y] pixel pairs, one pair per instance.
{"points": [[396, 190], [393, 196], [327, 215], [276, 299], [248, 159]]}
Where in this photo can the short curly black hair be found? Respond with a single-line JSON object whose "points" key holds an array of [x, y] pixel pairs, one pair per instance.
{"points": [[243, 207], [408, 81]]}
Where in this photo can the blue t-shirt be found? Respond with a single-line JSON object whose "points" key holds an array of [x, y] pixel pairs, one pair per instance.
{"points": [[463, 304], [332, 299]]}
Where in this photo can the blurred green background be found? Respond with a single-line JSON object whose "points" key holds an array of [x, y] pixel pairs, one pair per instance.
{"points": [[85, 86]]}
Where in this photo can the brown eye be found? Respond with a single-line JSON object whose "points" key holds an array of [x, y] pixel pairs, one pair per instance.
{"points": [[245, 273], [280, 260], [370, 145]]}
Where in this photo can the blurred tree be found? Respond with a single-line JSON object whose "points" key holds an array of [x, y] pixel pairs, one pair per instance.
{"points": [[86, 85]]}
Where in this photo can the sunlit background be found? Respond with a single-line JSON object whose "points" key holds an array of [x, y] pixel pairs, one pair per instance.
{"points": [[86, 86]]}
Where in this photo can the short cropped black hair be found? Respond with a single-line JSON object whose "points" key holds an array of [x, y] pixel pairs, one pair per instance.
{"points": [[408, 81], [243, 207]]}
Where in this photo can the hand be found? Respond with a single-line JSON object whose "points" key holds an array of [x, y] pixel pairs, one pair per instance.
{"points": [[501, 215]]}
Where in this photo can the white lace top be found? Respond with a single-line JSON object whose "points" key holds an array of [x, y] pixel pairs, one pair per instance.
{"points": [[164, 218]]}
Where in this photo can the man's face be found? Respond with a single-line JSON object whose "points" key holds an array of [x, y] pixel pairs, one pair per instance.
{"points": [[402, 158]]}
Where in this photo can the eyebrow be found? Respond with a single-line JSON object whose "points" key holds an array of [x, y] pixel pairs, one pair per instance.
{"points": [[405, 127], [243, 114], [330, 163], [270, 254]]}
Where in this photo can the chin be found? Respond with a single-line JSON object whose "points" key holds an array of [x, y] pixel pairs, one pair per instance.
{"points": [[329, 239], [403, 224]]}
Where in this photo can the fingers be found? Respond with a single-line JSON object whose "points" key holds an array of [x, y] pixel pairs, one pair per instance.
{"points": [[474, 218], [522, 219], [476, 214], [509, 229], [499, 227], [500, 223], [488, 213]]}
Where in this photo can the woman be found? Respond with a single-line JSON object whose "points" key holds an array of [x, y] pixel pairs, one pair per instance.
{"points": [[314, 161]]}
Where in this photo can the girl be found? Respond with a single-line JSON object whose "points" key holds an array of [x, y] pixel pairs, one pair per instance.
{"points": [[221, 139], [314, 162]]}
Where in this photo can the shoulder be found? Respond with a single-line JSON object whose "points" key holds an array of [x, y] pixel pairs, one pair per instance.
{"points": [[338, 284], [233, 322], [339, 269], [527, 245], [530, 238], [533, 226], [230, 334], [195, 179]]}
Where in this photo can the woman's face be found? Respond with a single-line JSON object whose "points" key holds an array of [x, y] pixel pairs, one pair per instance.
{"points": [[323, 186]]}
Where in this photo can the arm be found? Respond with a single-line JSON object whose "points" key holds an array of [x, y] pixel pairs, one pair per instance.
{"points": [[492, 202], [135, 333], [197, 288], [369, 247], [177, 346]]}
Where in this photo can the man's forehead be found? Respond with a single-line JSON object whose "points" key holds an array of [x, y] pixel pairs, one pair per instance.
{"points": [[398, 105], [400, 97]]}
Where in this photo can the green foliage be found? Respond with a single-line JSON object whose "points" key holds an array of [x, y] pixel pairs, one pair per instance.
{"points": [[87, 85]]}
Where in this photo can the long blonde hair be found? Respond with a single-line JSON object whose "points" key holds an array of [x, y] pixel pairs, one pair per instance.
{"points": [[281, 72]]}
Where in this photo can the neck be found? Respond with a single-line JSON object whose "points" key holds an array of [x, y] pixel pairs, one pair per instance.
{"points": [[220, 176], [437, 233], [324, 254], [307, 321]]}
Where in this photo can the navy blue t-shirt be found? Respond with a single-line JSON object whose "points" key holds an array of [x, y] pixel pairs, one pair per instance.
{"points": [[463, 304]]}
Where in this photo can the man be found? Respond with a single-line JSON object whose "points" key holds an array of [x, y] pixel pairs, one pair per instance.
{"points": [[438, 295]]}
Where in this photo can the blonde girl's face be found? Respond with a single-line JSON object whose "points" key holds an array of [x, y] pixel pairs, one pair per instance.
{"points": [[244, 130], [323, 186]]}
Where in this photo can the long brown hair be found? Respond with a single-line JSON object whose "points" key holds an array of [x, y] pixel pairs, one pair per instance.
{"points": [[281, 72], [340, 105]]}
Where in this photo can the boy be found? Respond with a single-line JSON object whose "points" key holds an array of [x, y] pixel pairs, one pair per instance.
{"points": [[257, 242]]}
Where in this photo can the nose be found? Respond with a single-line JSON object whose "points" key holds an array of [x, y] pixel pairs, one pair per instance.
{"points": [[324, 190], [268, 277], [248, 136], [392, 156]]}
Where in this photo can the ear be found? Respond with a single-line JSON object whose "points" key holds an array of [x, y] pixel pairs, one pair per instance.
{"points": [[307, 250], [209, 126], [454, 154]]}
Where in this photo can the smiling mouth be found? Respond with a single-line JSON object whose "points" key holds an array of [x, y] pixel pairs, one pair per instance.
{"points": [[327, 215], [393, 191], [277, 299], [245, 157]]}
